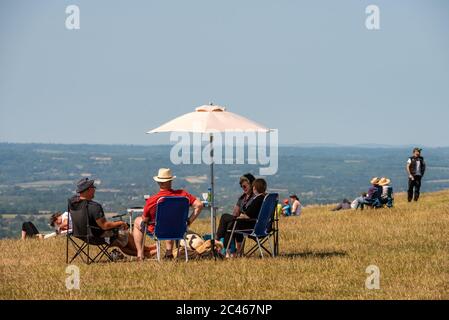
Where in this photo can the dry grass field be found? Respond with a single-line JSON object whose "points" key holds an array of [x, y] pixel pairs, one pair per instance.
{"points": [[324, 255]]}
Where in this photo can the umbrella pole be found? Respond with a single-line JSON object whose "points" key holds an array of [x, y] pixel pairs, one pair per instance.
{"points": [[212, 200]]}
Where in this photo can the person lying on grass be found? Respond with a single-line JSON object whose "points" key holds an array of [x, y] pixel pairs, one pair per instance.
{"points": [[58, 221]]}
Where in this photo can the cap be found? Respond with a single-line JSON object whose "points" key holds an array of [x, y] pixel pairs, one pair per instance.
{"points": [[84, 184]]}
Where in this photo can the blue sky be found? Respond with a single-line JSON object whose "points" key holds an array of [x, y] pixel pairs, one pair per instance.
{"points": [[309, 68]]}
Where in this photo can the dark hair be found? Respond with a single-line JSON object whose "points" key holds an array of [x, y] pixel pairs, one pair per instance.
{"points": [[294, 196], [247, 177], [54, 217], [364, 194], [260, 185]]}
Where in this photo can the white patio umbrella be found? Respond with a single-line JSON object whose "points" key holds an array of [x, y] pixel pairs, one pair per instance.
{"points": [[210, 119]]}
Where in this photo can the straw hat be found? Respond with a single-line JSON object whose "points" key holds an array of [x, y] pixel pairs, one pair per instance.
{"points": [[164, 175], [384, 182], [375, 180]]}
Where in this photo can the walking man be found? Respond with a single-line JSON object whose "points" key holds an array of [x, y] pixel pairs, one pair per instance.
{"points": [[416, 167]]}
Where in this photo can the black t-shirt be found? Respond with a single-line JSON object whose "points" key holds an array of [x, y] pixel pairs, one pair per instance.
{"points": [[253, 208], [244, 202], [95, 211]]}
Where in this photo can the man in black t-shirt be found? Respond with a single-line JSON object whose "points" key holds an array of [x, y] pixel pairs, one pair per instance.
{"points": [[98, 226]]}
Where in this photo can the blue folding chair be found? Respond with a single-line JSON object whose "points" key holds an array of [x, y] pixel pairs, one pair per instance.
{"points": [[171, 222], [264, 229]]}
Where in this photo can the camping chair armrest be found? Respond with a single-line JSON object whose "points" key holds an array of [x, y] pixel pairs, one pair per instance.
{"points": [[119, 216], [237, 219]]}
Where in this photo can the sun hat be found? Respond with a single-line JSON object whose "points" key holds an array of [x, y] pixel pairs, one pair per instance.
{"points": [[164, 175], [375, 180], [384, 182]]}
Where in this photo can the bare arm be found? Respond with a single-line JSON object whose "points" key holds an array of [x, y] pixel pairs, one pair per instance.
{"points": [[108, 225], [407, 167], [197, 207]]}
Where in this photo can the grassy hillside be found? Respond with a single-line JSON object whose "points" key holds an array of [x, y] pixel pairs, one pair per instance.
{"points": [[324, 255]]}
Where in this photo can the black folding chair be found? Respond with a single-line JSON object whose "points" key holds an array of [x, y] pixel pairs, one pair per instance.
{"points": [[265, 229], [82, 238]]}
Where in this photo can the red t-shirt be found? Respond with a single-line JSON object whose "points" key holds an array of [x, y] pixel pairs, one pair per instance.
{"points": [[150, 206]]}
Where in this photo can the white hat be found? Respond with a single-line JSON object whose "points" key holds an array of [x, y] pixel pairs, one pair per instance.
{"points": [[164, 175], [384, 182]]}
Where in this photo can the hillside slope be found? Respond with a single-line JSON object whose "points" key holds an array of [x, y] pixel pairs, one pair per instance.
{"points": [[324, 255]]}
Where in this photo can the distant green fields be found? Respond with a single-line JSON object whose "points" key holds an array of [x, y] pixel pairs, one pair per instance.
{"points": [[40, 177]]}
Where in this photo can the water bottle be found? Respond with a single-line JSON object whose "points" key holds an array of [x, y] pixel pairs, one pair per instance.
{"points": [[209, 195]]}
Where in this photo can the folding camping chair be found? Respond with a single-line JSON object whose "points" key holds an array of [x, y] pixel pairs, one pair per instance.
{"points": [[171, 222], [266, 227], [82, 238]]}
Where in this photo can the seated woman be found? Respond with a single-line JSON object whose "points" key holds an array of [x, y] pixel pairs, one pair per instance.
{"points": [[227, 220], [246, 219], [58, 221], [373, 197], [387, 192]]}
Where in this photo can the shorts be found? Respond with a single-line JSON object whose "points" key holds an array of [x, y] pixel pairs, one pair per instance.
{"points": [[116, 238], [150, 228]]}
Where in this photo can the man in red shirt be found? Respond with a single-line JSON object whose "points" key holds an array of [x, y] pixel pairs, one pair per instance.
{"points": [[164, 179]]}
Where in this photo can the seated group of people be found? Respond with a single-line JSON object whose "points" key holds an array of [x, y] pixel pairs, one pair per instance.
{"points": [[291, 207], [246, 209], [245, 212], [379, 194]]}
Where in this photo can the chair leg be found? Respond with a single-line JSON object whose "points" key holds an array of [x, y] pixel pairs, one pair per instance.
{"points": [[241, 252], [230, 238], [67, 250], [158, 250], [185, 249], [260, 248], [271, 247], [79, 249]]}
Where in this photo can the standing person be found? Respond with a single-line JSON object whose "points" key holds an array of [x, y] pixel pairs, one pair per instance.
{"points": [[296, 205], [416, 167], [164, 180]]}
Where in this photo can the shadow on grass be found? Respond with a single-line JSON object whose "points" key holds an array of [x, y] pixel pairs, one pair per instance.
{"points": [[314, 254]]}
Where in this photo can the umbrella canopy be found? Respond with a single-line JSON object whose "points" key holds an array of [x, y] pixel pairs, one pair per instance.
{"points": [[210, 118]]}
